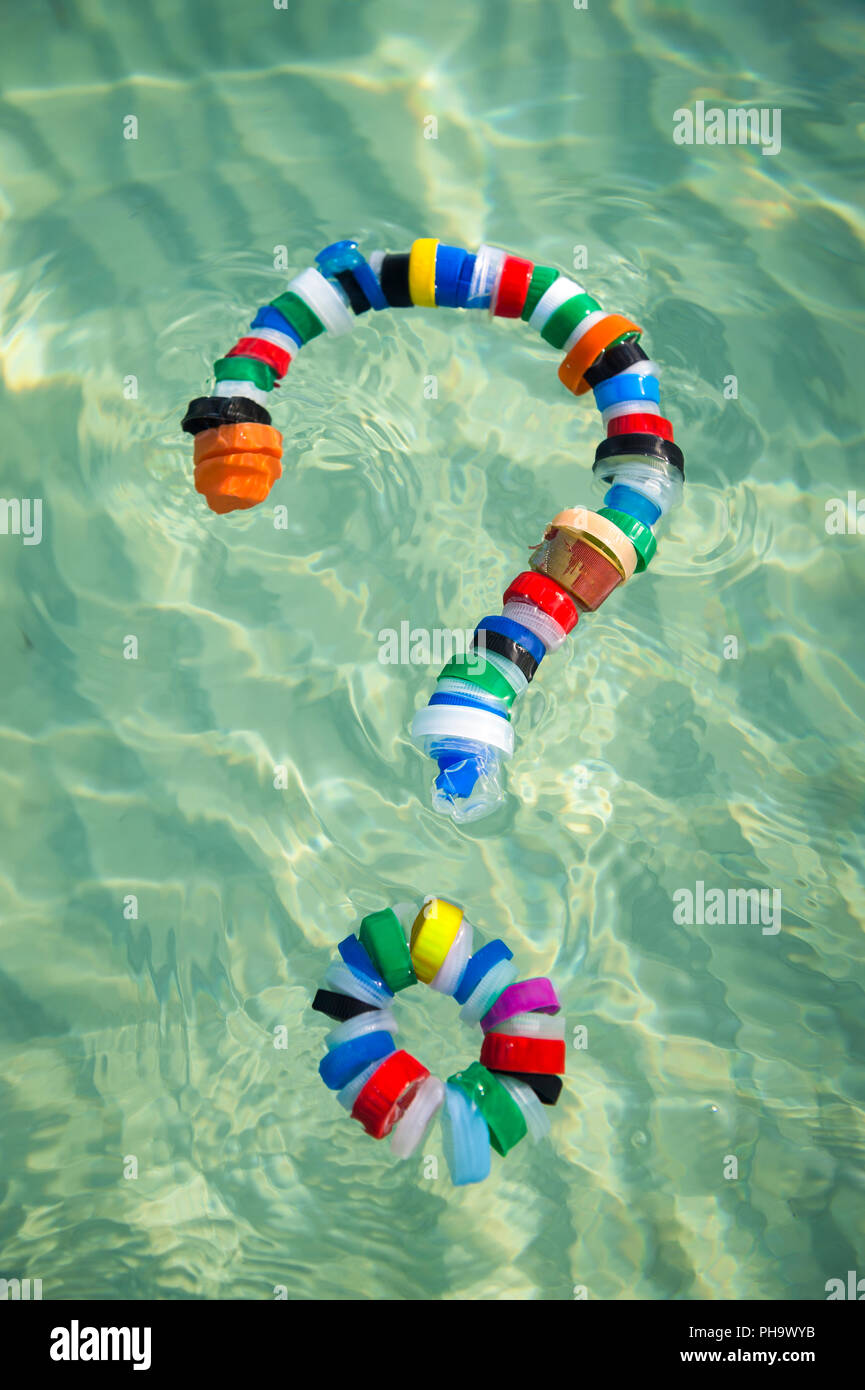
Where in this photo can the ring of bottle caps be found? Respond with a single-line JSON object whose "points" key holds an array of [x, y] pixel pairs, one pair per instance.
{"points": [[492, 1103], [466, 726]]}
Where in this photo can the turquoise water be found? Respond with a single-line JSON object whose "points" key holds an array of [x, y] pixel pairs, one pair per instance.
{"points": [[648, 758]]}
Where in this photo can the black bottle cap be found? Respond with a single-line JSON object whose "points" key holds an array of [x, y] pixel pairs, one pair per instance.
{"points": [[393, 278], [356, 297], [613, 361], [651, 446], [507, 647], [547, 1088], [339, 1006], [209, 412]]}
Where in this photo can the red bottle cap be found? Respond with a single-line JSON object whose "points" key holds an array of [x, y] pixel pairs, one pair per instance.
{"points": [[502, 1052], [387, 1093], [640, 424], [263, 351], [550, 597], [513, 287]]}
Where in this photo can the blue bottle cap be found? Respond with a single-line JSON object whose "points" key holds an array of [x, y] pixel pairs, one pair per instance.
{"points": [[445, 698], [479, 965], [342, 1064], [633, 503], [516, 633], [465, 1138], [268, 317], [449, 263], [358, 959], [467, 270], [627, 386]]}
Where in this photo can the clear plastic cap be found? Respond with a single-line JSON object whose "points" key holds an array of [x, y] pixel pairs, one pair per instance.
{"points": [[660, 482], [373, 1021], [409, 1131], [534, 1114], [532, 1025], [551, 633], [450, 971], [488, 989]]}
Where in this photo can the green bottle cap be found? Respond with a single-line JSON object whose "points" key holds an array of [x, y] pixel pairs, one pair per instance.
{"points": [[261, 374], [299, 315], [505, 1120], [560, 325], [383, 937], [481, 673], [542, 277], [642, 538]]}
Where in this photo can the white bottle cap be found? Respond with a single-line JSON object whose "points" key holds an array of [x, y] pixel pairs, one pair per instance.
{"points": [[408, 1133], [460, 721], [321, 297], [534, 1114]]}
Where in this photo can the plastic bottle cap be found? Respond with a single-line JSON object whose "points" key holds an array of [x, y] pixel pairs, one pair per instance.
{"points": [[629, 387], [484, 274], [433, 933], [515, 632], [536, 994], [640, 423], [632, 503], [446, 686], [345, 1062], [548, 595], [474, 670], [483, 960], [640, 535], [615, 412], [371, 1021], [456, 722], [559, 292], [340, 976], [542, 277], [582, 328], [349, 1094], [589, 346], [449, 263], [323, 299], [241, 390], [487, 991], [450, 972], [511, 288], [638, 447], [422, 272], [546, 1086], [388, 1092], [408, 1133], [654, 479], [357, 958], [538, 622], [465, 1138], [501, 1053], [340, 1006], [504, 1118], [615, 360], [382, 936], [536, 1118], [531, 1025]]}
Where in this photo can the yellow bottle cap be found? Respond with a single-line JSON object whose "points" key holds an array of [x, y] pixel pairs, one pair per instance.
{"points": [[422, 272], [434, 932]]}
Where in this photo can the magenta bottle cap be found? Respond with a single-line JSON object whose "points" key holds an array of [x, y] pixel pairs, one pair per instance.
{"points": [[520, 998]]}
